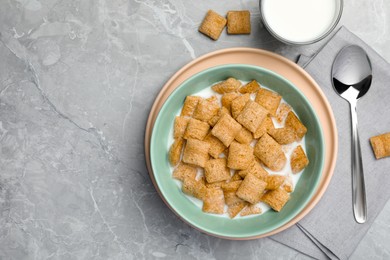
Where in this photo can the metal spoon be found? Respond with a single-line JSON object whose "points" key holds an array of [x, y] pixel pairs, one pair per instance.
{"points": [[351, 78]]}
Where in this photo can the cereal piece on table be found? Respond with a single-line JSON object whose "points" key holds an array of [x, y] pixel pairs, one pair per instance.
{"points": [[238, 104], [175, 151], [269, 100], [184, 170], [206, 109], [251, 189], [252, 115], [381, 145], [244, 136], [215, 170], [288, 184], [231, 186], [282, 112], [180, 126], [196, 129], [250, 209], [194, 188], [250, 87], [240, 156], [228, 98], [266, 126], [234, 209], [298, 159], [236, 177], [212, 25], [293, 122], [221, 112], [270, 153], [213, 201], [284, 135], [274, 181], [189, 105], [238, 22], [216, 146], [196, 152], [256, 169], [227, 86], [226, 129], [276, 198]]}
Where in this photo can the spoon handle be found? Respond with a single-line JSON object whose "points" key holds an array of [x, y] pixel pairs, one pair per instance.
{"points": [[358, 187]]}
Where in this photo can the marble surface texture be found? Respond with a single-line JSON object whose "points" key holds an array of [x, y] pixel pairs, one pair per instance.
{"points": [[77, 81]]}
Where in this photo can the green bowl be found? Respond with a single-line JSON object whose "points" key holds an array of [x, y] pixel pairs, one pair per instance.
{"points": [[248, 227]]}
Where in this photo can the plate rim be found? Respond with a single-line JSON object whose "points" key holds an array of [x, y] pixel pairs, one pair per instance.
{"points": [[218, 57]]}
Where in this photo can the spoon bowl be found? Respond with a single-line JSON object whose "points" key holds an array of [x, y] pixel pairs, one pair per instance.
{"points": [[351, 79]]}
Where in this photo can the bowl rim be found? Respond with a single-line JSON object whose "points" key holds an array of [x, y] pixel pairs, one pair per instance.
{"points": [[335, 22], [194, 224]]}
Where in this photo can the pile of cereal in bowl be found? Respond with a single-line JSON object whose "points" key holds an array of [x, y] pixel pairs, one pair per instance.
{"points": [[237, 150]]}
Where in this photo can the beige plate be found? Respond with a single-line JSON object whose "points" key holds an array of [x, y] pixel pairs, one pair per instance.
{"points": [[280, 65]]}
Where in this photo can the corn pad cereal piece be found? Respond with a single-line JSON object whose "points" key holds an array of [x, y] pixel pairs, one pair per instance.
{"points": [[196, 129], [196, 152], [238, 104], [239, 22], [236, 177], [240, 156], [381, 145], [226, 129], [268, 99], [256, 169], [213, 201], [276, 198], [266, 126], [270, 153], [293, 122], [229, 191], [228, 98], [226, 86], [231, 186], [194, 188], [216, 146], [234, 209], [288, 184], [180, 126], [250, 87], [251, 209], [175, 151], [244, 136], [281, 112], [251, 189], [252, 115], [206, 109], [298, 160], [189, 106], [221, 112], [284, 135], [215, 170], [274, 181], [212, 25], [215, 184], [183, 171], [231, 198]]}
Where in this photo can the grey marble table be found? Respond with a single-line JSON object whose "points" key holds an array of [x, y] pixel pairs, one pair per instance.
{"points": [[77, 80]]}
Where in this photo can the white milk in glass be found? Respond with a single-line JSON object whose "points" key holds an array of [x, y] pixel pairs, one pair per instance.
{"points": [[300, 20]]}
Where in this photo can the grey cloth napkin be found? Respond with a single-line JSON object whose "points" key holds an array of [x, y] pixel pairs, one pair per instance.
{"points": [[329, 230]]}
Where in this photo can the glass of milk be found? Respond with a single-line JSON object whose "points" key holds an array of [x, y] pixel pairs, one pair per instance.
{"points": [[300, 21]]}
